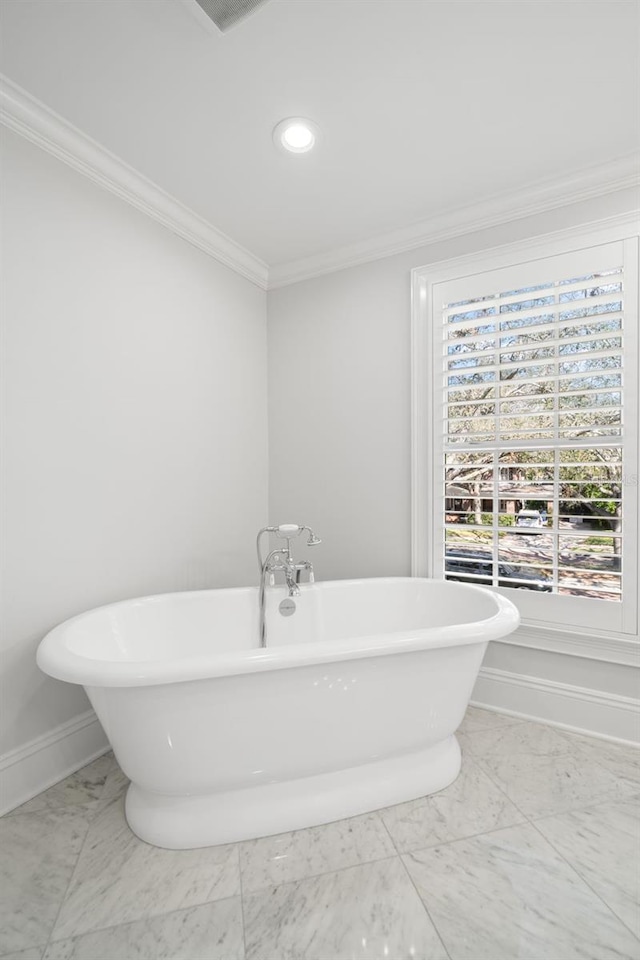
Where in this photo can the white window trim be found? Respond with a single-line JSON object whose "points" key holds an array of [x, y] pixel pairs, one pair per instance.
{"points": [[600, 645]]}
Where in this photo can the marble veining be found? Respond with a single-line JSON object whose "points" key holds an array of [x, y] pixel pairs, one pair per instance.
{"points": [[472, 804], [543, 785], [368, 911], [491, 885], [79, 788], [508, 895], [39, 852], [118, 878], [618, 759], [547, 771], [31, 953], [271, 861], [477, 719], [602, 844], [115, 784], [531, 739], [209, 932]]}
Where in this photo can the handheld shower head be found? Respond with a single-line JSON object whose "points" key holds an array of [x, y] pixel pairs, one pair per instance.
{"points": [[289, 530], [286, 531]]}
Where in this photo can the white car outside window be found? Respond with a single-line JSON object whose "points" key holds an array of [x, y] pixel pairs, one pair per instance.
{"points": [[532, 519]]}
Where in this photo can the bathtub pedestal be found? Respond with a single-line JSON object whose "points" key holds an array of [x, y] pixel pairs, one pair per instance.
{"points": [[180, 823]]}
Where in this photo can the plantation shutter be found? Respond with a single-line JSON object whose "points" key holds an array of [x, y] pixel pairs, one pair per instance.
{"points": [[535, 426]]}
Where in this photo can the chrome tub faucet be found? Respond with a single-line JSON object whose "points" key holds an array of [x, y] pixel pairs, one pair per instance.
{"points": [[281, 560]]}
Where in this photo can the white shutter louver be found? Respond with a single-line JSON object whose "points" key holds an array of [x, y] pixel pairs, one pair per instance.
{"points": [[532, 387]]}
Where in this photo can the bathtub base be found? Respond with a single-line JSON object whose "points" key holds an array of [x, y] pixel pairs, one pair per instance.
{"points": [[180, 823]]}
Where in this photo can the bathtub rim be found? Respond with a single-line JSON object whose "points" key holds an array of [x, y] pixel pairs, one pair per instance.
{"points": [[56, 660]]}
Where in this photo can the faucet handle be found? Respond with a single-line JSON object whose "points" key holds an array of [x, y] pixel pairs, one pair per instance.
{"points": [[304, 565]]}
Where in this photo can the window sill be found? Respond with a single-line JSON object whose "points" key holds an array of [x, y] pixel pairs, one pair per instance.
{"points": [[612, 648]]}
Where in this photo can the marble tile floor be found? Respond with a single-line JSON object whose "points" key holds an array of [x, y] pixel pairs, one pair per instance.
{"points": [[533, 852]]}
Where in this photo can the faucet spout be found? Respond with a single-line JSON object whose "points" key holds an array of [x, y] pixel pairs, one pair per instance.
{"points": [[291, 580]]}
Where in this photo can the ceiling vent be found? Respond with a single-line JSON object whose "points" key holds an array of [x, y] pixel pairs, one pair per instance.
{"points": [[226, 13]]}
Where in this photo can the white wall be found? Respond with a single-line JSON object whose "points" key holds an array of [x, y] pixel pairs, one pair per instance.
{"points": [[339, 397], [134, 423], [134, 419], [339, 414]]}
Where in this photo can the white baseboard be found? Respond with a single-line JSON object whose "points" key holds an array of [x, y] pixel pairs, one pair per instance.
{"points": [[579, 709], [32, 768]]}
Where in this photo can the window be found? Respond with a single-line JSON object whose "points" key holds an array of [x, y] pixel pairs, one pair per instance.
{"points": [[526, 430]]}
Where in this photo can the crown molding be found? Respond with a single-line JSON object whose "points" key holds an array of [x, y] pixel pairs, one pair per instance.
{"points": [[33, 120], [36, 122], [538, 198]]}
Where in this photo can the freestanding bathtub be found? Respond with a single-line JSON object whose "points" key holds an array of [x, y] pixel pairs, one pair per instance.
{"points": [[352, 706]]}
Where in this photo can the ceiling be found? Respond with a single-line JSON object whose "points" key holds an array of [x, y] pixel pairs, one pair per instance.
{"points": [[424, 105]]}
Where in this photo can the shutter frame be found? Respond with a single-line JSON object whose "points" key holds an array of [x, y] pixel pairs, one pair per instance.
{"points": [[429, 364]]}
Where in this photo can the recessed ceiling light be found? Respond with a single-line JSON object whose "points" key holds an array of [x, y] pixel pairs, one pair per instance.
{"points": [[295, 135]]}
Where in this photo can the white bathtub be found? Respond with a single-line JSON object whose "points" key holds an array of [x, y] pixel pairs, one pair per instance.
{"points": [[352, 706]]}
